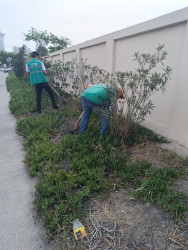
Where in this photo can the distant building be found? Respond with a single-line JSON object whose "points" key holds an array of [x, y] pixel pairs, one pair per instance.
{"points": [[28, 51], [15, 50], [2, 48]]}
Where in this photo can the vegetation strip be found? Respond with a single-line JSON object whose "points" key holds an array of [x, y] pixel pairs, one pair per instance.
{"points": [[80, 166]]}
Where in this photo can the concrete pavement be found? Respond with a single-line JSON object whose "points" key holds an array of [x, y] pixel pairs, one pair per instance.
{"points": [[19, 229]]}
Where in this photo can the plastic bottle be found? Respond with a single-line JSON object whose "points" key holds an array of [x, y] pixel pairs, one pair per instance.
{"points": [[79, 230]]}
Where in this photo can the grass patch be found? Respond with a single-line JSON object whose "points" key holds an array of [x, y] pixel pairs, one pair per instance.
{"points": [[23, 96], [155, 188], [80, 166]]}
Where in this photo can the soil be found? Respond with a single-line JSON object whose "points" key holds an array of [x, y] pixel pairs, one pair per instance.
{"points": [[122, 222]]}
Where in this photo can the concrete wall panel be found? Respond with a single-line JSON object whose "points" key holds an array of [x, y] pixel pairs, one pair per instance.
{"points": [[96, 55], [68, 56], [55, 57]]}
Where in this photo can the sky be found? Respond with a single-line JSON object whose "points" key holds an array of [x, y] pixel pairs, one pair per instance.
{"points": [[78, 20]]}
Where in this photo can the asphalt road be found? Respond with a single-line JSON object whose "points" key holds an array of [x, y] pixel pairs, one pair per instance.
{"points": [[19, 228]]}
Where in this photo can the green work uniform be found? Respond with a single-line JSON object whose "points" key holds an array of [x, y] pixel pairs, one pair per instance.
{"points": [[100, 94], [36, 72]]}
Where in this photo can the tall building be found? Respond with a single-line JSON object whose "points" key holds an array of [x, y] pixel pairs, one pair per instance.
{"points": [[2, 48], [15, 49]]}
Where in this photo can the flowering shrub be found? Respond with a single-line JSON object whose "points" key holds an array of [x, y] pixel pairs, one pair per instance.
{"points": [[138, 87], [82, 74], [57, 74]]}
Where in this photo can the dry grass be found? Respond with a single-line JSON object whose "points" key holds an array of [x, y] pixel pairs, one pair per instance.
{"points": [[152, 152]]}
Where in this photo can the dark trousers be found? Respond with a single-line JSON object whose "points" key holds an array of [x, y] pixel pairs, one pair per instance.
{"points": [[38, 90]]}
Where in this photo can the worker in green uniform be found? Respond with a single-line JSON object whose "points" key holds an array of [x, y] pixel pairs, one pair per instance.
{"points": [[38, 76], [98, 97]]}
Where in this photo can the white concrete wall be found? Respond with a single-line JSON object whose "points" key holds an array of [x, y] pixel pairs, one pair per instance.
{"points": [[94, 54], [56, 57], [114, 52], [68, 56]]}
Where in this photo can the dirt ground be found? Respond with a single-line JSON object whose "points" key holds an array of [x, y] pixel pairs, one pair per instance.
{"points": [[122, 222]]}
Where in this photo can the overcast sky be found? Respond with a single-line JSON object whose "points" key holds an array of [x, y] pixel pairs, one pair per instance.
{"points": [[78, 20]]}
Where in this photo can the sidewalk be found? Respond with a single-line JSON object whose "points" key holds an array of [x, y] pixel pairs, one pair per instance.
{"points": [[19, 229]]}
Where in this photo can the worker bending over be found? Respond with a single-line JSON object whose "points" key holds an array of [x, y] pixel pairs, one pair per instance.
{"points": [[98, 98]]}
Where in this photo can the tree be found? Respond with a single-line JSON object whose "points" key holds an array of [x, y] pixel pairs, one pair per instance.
{"points": [[58, 43], [4, 55], [46, 42], [43, 51], [19, 62]]}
